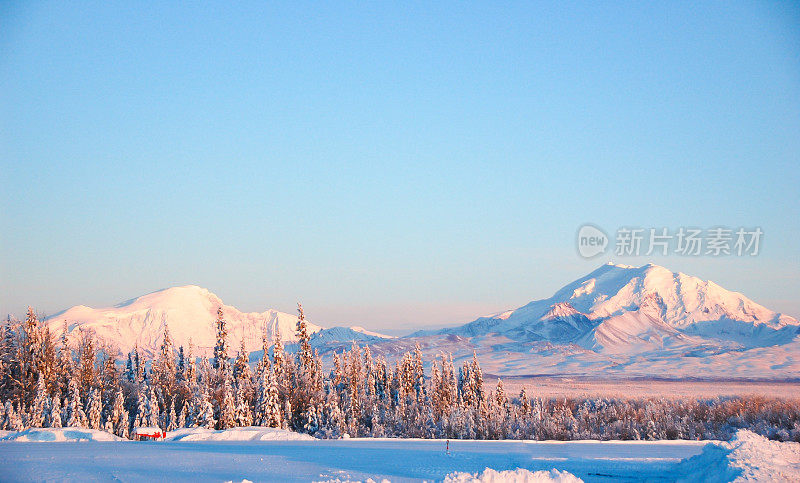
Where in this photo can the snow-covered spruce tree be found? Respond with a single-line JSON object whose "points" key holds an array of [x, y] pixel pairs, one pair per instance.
{"points": [[337, 374], [241, 366], [278, 356], [182, 417], [191, 367], [13, 421], [39, 408], [94, 410], [264, 349], [153, 410], [418, 374], [205, 413], [55, 419], [130, 371], [28, 356], [141, 418], [180, 370], [163, 368], [87, 358], [172, 418], [260, 402], [227, 406], [119, 417], [221, 347], [9, 363], [304, 360], [355, 389], [268, 406], [76, 416], [243, 414], [109, 378], [243, 383], [311, 422]]}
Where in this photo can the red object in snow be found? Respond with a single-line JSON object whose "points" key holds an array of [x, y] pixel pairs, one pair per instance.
{"points": [[149, 434]]}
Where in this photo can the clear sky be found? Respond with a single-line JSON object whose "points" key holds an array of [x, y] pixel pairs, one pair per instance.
{"points": [[391, 164]]}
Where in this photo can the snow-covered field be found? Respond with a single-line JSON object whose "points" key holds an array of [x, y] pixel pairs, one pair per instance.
{"points": [[259, 454], [548, 387]]}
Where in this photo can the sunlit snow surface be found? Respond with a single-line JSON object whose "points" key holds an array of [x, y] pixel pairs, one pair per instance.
{"points": [[259, 454]]}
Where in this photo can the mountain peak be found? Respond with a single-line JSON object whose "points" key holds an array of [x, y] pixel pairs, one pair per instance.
{"points": [[627, 303], [189, 311]]}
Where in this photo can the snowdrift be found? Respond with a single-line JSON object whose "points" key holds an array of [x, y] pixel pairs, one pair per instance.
{"points": [[519, 475], [249, 433], [66, 435], [747, 457]]}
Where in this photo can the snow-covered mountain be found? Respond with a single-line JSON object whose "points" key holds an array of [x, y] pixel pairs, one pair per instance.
{"points": [[619, 308], [189, 312], [616, 321], [623, 320]]}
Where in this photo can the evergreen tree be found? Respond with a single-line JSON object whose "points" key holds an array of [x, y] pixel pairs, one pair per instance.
{"points": [[227, 408], [191, 372], [304, 354], [172, 419], [94, 410], [182, 418], [142, 418], [39, 409], [311, 424], [268, 408], [130, 372], [164, 367], [153, 412], [13, 421], [244, 416], [205, 413], [221, 347], [180, 372], [241, 367], [76, 417], [87, 358], [55, 413], [119, 416], [278, 357]]}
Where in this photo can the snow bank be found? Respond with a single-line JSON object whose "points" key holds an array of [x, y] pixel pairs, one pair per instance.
{"points": [[747, 457], [519, 475], [249, 433], [50, 435]]}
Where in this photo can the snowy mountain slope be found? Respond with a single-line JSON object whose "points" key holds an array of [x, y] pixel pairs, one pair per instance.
{"points": [[630, 322], [345, 335], [189, 311], [618, 308]]}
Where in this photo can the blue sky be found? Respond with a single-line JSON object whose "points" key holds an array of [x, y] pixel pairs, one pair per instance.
{"points": [[392, 166]]}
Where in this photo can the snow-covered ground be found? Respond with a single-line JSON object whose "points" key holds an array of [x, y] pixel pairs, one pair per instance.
{"points": [[261, 454], [61, 435], [251, 433], [593, 387]]}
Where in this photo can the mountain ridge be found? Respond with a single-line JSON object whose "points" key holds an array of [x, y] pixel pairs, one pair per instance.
{"points": [[617, 320]]}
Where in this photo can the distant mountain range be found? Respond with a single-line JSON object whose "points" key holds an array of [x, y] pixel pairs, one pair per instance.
{"points": [[616, 321]]}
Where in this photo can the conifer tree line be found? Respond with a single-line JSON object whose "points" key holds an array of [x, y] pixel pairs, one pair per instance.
{"points": [[53, 382]]}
